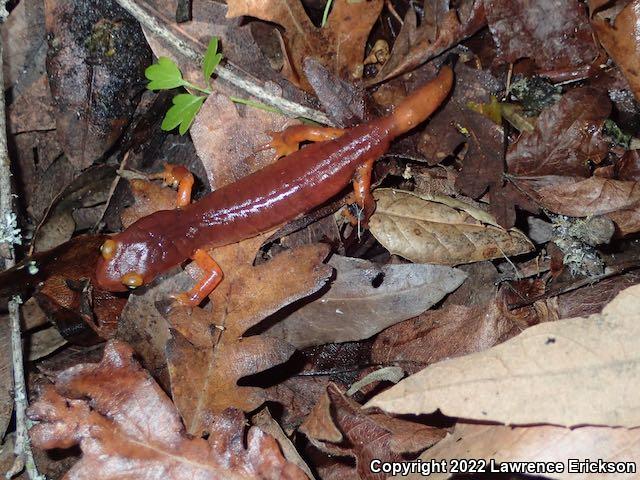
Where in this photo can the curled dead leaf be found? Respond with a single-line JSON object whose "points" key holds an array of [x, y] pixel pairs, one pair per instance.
{"points": [[440, 230]]}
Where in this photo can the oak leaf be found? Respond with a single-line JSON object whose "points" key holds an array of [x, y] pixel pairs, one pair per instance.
{"points": [[204, 377], [440, 230], [551, 373], [339, 45], [128, 428], [339, 426]]}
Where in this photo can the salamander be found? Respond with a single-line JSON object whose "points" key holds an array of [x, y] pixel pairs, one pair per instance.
{"points": [[300, 180]]}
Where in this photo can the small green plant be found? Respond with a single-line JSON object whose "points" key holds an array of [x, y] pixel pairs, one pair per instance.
{"points": [[165, 75]]}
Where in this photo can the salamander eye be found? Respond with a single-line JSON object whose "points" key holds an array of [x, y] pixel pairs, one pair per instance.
{"points": [[108, 249], [132, 280]]}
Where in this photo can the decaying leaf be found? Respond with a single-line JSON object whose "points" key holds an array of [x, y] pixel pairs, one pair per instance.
{"points": [[454, 331], [339, 426], [88, 189], [364, 299], [622, 43], [96, 58], [580, 197], [550, 373], [556, 35], [25, 46], [339, 45], [441, 28], [138, 433], [567, 136], [432, 231], [538, 444]]}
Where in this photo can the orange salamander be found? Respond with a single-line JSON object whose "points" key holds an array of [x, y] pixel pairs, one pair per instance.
{"points": [[293, 185]]}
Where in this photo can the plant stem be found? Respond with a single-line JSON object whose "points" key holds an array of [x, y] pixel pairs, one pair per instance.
{"points": [[241, 81], [22, 448], [325, 13], [188, 84], [254, 104]]}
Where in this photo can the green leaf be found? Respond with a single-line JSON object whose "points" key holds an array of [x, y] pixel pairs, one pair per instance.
{"points": [[164, 75], [184, 110], [211, 58]]}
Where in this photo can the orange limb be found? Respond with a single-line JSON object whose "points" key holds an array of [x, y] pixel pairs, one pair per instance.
{"points": [[212, 277], [362, 193], [179, 177], [288, 141]]}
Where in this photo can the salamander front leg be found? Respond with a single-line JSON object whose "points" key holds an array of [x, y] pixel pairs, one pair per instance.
{"points": [[212, 277], [179, 177], [288, 141]]}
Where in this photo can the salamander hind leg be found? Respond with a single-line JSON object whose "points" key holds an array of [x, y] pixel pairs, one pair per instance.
{"points": [[212, 277], [362, 197], [179, 177], [288, 141]]}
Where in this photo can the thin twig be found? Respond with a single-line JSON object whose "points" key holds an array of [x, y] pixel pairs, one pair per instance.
{"points": [[242, 82], [22, 449]]}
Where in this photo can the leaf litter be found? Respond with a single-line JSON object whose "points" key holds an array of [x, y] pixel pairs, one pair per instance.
{"points": [[497, 274]]}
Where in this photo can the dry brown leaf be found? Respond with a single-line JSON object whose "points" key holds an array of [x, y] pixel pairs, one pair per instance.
{"points": [[339, 45], [128, 428], [229, 144], [441, 28], [24, 41], [204, 378], [33, 110], [538, 444], [621, 42], [91, 187], [551, 373], [364, 299], [265, 422], [567, 136], [580, 197], [430, 231], [339, 426], [453, 331]]}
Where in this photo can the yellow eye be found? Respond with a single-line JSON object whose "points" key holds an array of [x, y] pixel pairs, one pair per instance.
{"points": [[132, 280], [108, 249]]}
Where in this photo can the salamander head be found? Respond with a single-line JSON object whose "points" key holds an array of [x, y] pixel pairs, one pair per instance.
{"points": [[125, 265]]}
